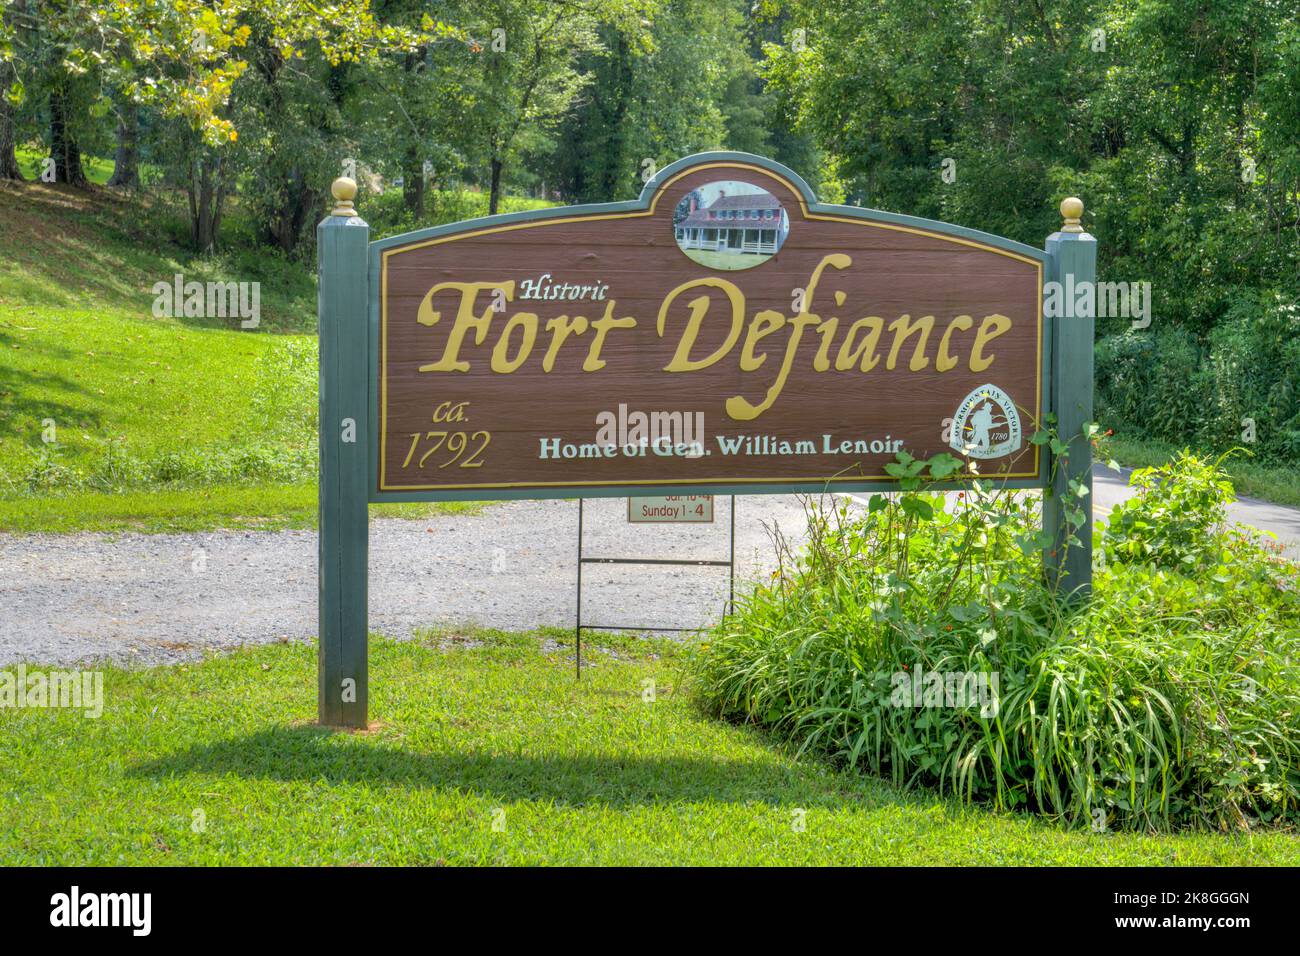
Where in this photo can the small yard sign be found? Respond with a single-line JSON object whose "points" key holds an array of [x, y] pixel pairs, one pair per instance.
{"points": [[670, 509]]}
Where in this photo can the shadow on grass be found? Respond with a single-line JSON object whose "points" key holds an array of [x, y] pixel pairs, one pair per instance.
{"points": [[317, 755]]}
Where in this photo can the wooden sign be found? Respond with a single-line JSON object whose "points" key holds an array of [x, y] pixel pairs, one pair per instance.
{"points": [[725, 332], [670, 509]]}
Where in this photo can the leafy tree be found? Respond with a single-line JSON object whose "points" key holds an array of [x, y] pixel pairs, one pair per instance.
{"points": [[184, 60], [1174, 119], [678, 83], [10, 93], [412, 108], [521, 70]]}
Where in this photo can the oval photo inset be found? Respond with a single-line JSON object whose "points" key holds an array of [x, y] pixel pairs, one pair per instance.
{"points": [[729, 225]]}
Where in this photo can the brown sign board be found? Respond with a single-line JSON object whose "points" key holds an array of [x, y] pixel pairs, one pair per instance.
{"points": [[725, 332]]}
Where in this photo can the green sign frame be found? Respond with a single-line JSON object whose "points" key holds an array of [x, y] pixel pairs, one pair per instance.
{"points": [[348, 314]]}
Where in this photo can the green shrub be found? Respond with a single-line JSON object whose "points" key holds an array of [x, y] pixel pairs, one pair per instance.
{"points": [[1154, 380], [388, 215], [1175, 520], [284, 401], [1255, 363], [1170, 700], [1240, 383]]}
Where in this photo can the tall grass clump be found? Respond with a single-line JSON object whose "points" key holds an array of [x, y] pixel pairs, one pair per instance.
{"points": [[918, 640]]}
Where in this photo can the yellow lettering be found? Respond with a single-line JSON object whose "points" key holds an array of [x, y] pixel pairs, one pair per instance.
{"points": [[944, 360], [465, 320], [866, 352], [837, 259], [903, 329], [602, 326], [992, 326], [699, 306], [450, 412], [739, 408], [763, 324], [520, 320], [561, 327], [822, 361]]}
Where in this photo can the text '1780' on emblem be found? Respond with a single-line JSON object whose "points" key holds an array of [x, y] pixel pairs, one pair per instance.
{"points": [[986, 424]]}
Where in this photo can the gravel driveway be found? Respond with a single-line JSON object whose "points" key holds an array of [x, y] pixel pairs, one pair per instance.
{"points": [[160, 598]]}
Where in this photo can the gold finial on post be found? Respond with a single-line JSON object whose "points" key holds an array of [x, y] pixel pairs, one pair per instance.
{"points": [[344, 190], [1072, 210]]}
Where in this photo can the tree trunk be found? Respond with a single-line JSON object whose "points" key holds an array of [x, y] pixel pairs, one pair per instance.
{"points": [[494, 197], [8, 159], [290, 218], [413, 185], [8, 136], [63, 145], [206, 191], [126, 163]]}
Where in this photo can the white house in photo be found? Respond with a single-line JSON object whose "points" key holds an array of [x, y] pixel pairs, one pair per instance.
{"points": [[746, 223]]}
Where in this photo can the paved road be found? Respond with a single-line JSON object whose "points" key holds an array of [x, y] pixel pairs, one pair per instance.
{"points": [[159, 598], [1109, 488]]}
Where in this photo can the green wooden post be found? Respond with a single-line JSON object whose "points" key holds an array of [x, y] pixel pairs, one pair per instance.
{"points": [[342, 241], [1072, 262]]}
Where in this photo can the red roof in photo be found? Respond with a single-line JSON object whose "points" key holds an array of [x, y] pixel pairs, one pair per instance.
{"points": [[746, 201], [760, 201]]}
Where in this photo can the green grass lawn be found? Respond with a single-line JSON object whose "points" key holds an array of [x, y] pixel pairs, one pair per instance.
{"points": [[130, 395], [485, 751], [158, 424], [250, 507], [727, 261], [98, 169]]}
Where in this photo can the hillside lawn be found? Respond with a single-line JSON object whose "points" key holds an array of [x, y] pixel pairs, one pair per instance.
{"points": [[485, 750], [132, 395]]}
